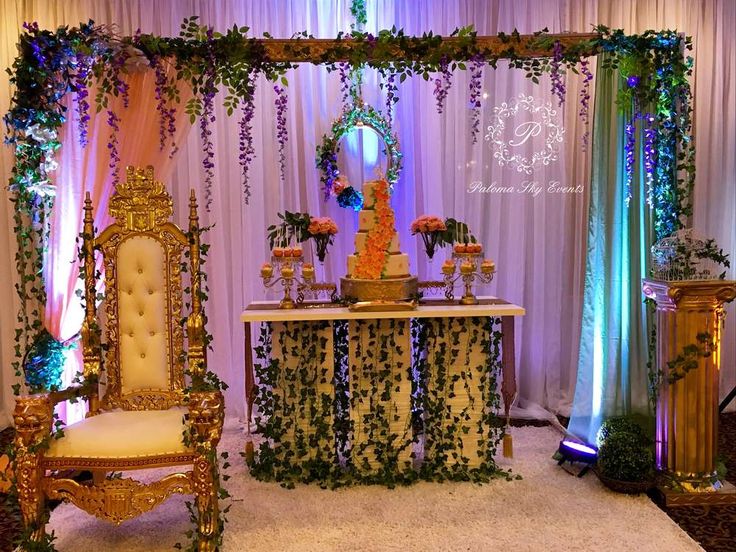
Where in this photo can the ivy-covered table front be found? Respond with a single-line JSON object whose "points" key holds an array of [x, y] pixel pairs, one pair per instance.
{"points": [[379, 397]]}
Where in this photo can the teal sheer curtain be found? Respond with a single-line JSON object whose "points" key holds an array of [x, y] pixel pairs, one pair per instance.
{"points": [[612, 363]]}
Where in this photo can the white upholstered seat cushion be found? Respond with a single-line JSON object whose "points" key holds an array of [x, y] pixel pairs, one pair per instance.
{"points": [[123, 434]]}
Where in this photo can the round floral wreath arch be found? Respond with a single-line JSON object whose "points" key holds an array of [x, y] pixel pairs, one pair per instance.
{"points": [[355, 116]]}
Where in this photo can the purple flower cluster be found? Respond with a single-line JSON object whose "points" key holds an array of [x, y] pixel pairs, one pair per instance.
{"points": [[113, 121], [282, 134], [650, 156], [391, 97], [442, 84], [327, 162], [629, 147], [584, 112], [167, 115], [558, 86], [245, 135], [344, 69], [121, 87], [33, 29], [477, 62], [81, 93], [208, 116]]}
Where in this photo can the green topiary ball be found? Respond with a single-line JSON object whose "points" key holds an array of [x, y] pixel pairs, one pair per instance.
{"points": [[626, 457], [618, 424]]}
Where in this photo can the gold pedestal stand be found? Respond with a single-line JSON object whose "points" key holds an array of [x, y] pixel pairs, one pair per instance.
{"points": [[689, 322], [294, 275], [377, 295], [471, 269]]}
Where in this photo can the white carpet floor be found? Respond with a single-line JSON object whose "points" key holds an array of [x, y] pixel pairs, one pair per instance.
{"points": [[549, 510]]}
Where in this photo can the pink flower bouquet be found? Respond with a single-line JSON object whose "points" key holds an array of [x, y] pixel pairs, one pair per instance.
{"points": [[430, 228], [322, 230]]}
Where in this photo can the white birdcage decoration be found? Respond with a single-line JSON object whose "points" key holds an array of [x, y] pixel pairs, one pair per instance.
{"points": [[686, 255]]}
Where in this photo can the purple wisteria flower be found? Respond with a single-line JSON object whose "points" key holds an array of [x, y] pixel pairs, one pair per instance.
{"points": [[80, 80], [167, 115], [477, 62], [344, 70], [558, 85], [442, 84], [121, 87], [584, 112], [208, 117], [113, 121], [282, 134], [245, 135], [391, 97], [629, 147], [650, 156]]}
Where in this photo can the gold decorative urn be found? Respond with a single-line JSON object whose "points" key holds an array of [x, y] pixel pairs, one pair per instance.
{"points": [[689, 321]]}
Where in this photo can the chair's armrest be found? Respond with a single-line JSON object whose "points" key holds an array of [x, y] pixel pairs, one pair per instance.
{"points": [[34, 414], [206, 416], [33, 418], [72, 392]]}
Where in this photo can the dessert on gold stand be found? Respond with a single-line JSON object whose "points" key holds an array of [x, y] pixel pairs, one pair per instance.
{"points": [[466, 261], [287, 267]]}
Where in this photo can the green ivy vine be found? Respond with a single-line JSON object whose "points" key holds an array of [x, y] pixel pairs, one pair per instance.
{"points": [[390, 387]]}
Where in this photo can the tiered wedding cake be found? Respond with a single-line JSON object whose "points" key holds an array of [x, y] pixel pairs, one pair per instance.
{"points": [[378, 271]]}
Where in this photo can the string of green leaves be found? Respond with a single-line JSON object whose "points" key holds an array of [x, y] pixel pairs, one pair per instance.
{"points": [[360, 416]]}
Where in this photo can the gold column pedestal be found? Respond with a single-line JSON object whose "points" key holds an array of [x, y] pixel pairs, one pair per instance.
{"points": [[687, 409]]}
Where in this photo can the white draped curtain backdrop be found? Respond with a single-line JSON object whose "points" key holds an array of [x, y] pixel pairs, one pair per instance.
{"points": [[538, 242]]}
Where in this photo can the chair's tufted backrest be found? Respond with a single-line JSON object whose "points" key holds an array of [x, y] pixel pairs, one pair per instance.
{"points": [[142, 254], [142, 314]]}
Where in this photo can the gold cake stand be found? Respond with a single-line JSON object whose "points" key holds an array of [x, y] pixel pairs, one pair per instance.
{"points": [[390, 294]]}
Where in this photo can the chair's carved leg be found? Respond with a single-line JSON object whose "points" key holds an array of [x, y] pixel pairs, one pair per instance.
{"points": [[33, 418], [30, 496], [205, 492], [206, 414]]}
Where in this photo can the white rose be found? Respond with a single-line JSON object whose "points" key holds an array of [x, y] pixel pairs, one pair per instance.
{"points": [[40, 134]]}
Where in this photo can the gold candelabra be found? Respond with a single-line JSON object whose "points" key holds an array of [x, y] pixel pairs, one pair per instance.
{"points": [[466, 267], [293, 274]]}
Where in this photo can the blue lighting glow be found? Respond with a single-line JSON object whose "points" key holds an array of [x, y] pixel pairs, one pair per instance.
{"points": [[585, 449]]}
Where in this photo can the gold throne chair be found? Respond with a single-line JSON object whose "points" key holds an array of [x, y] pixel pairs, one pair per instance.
{"points": [[145, 417]]}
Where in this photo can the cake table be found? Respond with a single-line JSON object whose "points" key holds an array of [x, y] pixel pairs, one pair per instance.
{"points": [[377, 391]]}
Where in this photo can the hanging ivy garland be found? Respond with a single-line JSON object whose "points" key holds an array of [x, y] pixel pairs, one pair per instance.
{"points": [[356, 417], [353, 117]]}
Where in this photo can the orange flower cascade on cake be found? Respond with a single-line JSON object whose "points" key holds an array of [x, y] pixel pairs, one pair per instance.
{"points": [[374, 257]]}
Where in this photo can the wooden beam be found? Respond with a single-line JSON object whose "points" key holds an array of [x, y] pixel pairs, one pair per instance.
{"points": [[315, 50]]}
